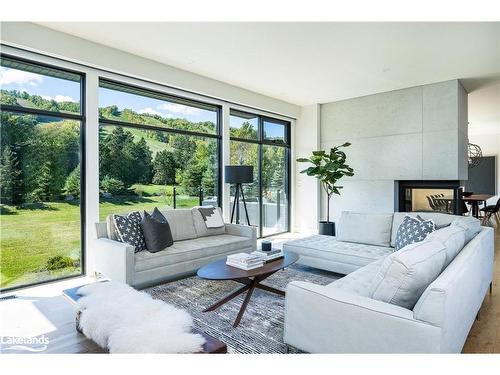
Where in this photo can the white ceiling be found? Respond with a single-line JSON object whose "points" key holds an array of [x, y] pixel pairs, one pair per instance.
{"points": [[305, 63]]}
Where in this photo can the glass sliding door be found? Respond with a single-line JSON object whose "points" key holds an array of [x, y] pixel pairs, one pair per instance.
{"points": [[263, 143], [245, 153], [156, 150], [42, 208], [274, 190]]}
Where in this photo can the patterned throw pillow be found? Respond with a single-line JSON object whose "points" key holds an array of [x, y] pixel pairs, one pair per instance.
{"points": [[129, 230], [413, 230], [211, 216]]}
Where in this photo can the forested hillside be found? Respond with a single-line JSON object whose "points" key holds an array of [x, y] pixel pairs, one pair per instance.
{"points": [[40, 155]]}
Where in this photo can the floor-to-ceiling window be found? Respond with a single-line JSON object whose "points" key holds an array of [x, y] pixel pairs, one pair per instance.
{"points": [[264, 143], [156, 150], [41, 197]]}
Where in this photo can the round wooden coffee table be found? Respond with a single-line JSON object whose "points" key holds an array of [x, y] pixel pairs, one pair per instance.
{"points": [[252, 279]]}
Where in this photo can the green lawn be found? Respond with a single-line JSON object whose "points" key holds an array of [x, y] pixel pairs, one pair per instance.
{"points": [[28, 237]]}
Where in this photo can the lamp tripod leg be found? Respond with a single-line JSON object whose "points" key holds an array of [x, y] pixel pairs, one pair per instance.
{"points": [[237, 202], [245, 205], [234, 204]]}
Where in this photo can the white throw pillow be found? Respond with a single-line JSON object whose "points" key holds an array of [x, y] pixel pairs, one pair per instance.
{"points": [[453, 238], [365, 228], [405, 274]]}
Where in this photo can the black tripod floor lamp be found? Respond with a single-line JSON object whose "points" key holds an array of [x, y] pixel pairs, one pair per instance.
{"points": [[238, 174]]}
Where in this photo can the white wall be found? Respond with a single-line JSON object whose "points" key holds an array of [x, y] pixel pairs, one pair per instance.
{"points": [[418, 133], [306, 193]]}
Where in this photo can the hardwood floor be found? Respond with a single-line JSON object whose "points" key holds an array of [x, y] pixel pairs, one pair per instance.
{"points": [[484, 336], [44, 311]]}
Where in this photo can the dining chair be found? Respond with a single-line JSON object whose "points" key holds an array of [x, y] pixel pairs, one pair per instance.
{"points": [[489, 211], [431, 203]]}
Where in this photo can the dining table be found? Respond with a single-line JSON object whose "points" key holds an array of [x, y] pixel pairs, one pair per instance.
{"points": [[474, 200]]}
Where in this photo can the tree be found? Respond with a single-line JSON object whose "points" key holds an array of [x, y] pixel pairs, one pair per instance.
{"points": [[10, 177], [116, 155], [184, 149], [164, 168], [43, 182], [72, 184], [113, 186], [142, 166]]}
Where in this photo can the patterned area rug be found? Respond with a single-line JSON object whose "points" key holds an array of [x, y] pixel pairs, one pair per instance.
{"points": [[261, 328]]}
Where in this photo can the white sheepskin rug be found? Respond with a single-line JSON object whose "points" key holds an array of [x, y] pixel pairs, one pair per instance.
{"points": [[123, 320]]}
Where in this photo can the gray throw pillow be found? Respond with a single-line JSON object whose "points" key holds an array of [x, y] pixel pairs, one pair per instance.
{"points": [[156, 231], [128, 230], [413, 230]]}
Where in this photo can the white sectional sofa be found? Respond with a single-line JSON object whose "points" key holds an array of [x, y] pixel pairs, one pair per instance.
{"points": [[194, 246], [343, 317]]}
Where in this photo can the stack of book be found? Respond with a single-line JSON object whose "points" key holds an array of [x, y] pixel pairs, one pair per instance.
{"points": [[268, 256], [244, 261]]}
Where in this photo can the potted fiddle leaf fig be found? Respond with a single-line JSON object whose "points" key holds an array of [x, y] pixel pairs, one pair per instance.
{"points": [[328, 168]]}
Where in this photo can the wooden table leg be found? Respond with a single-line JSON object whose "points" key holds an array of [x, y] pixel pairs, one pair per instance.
{"points": [[250, 285], [228, 298], [270, 289], [475, 209], [244, 305]]}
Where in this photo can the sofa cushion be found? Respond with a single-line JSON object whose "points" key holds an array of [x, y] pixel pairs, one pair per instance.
{"points": [[188, 250], [360, 281], [413, 229], [181, 223], [200, 226], [366, 228], [405, 274], [328, 247], [453, 238], [471, 224]]}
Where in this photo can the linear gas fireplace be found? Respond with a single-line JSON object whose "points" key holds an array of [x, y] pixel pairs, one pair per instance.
{"points": [[437, 196]]}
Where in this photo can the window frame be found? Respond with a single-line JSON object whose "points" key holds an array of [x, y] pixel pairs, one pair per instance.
{"points": [[217, 135], [261, 141], [82, 158]]}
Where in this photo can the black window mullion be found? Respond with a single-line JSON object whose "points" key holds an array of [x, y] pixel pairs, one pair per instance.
{"points": [[41, 112], [261, 206], [156, 128]]}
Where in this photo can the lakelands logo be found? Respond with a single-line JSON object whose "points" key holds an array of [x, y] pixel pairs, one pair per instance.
{"points": [[30, 344]]}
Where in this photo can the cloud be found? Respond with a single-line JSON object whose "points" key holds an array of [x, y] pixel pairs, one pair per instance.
{"points": [[179, 108], [59, 98], [149, 111], [19, 77]]}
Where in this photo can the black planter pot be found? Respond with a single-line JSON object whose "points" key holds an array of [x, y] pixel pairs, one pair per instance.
{"points": [[327, 228]]}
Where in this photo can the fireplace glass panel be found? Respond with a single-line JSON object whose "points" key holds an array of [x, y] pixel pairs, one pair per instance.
{"points": [[438, 200]]}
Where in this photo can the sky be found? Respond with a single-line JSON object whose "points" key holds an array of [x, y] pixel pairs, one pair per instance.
{"points": [[62, 90], [35, 84]]}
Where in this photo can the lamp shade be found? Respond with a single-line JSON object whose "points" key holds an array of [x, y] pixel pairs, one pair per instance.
{"points": [[238, 174]]}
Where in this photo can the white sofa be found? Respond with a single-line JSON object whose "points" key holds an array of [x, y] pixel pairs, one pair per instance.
{"points": [[342, 317], [194, 246]]}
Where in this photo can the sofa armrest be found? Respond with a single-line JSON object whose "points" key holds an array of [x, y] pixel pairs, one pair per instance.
{"points": [[114, 259], [322, 319], [243, 231]]}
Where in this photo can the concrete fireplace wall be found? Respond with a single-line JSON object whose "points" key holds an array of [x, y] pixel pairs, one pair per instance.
{"points": [[418, 133]]}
